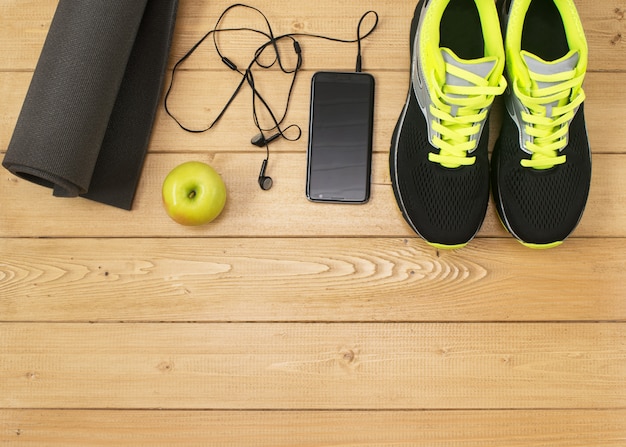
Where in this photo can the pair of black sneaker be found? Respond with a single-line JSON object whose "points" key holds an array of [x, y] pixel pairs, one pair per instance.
{"points": [[541, 163]]}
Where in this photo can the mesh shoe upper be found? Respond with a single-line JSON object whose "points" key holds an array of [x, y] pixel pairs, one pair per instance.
{"points": [[541, 166], [445, 206], [438, 159], [541, 206]]}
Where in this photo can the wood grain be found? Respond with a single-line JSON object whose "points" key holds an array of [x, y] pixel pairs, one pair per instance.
{"points": [[197, 104], [516, 428], [314, 366], [283, 211], [352, 279], [389, 45]]}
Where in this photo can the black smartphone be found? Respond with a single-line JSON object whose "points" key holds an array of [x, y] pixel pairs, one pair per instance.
{"points": [[339, 156]]}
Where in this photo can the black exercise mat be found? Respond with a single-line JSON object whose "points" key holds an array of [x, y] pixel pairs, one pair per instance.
{"points": [[86, 121]]}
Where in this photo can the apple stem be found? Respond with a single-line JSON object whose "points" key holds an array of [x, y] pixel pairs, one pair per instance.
{"points": [[192, 194]]}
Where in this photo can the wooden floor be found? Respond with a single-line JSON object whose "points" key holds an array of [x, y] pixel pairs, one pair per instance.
{"points": [[288, 323]]}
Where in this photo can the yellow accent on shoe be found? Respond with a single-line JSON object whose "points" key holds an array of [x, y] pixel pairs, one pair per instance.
{"points": [[459, 111], [573, 28], [541, 246], [447, 247], [549, 130], [549, 127], [528, 244]]}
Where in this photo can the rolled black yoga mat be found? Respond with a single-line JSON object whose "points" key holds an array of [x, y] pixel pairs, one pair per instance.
{"points": [[85, 124]]}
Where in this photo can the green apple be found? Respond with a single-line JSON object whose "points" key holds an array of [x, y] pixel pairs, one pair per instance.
{"points": [[193, 193]]}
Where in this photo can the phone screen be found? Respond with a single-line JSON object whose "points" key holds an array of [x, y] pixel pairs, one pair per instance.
{"points": [[340, 137]]}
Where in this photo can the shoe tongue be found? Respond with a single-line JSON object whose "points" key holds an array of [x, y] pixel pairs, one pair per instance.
{"points": [[482, 67], [539, 66]]}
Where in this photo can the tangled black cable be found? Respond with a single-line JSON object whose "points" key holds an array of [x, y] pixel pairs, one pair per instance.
{"points": [[247, 74]]}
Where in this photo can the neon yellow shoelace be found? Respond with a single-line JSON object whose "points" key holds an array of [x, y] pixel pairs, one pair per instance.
{"points": [[460, 116], [549, 125]]}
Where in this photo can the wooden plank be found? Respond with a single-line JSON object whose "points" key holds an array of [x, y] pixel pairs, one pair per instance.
{"points": [[352, 279], [517, 428], [23, 32], [313, 366], [605, 29], [29, 210], [197, 105]]}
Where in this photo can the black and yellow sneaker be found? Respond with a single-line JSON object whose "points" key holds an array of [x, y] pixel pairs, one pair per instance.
{"points": [[439, 157], [541, 165]]}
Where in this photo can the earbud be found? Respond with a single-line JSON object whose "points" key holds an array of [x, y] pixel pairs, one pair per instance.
{"points": [[260, 140], [265, 182]]}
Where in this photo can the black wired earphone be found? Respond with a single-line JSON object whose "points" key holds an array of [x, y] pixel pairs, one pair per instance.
{"points": [[247, 77]]}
